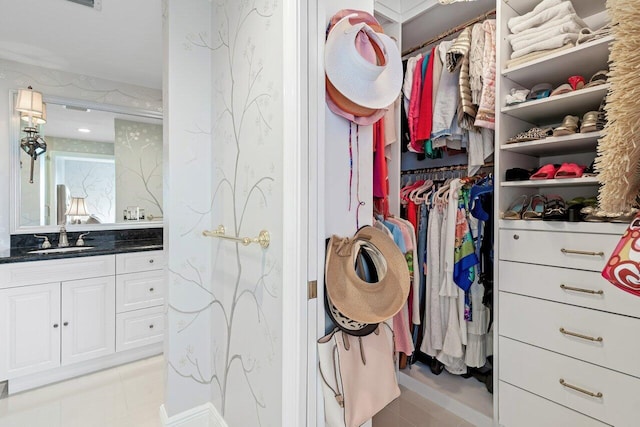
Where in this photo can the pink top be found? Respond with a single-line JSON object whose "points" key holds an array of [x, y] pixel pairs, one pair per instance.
{"points": [[414, 108]]}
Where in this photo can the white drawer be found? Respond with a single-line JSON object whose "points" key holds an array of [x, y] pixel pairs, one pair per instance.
{"points": [[540, 371], [554, 283], [55, 270], [139, 290], [539, 322], [519, 408], [134, 262], [546, 248], [139, 328]]}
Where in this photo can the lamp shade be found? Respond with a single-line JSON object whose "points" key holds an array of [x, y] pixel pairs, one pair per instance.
{"points": [[38, 119], [77, 207], [30, 102]]}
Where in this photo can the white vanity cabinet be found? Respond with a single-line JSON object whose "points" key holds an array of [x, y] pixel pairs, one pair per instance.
{"points": [[88, 319], [29, 329], [67, 317]]}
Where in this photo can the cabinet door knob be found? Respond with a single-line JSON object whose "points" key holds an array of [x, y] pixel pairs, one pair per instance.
{"points": [[150, 326], [516, 237], [55, 325], [151, 261], [65, 324], [151, 289]]}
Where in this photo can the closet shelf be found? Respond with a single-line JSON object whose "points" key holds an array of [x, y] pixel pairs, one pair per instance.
{"points": [[555, 145], [565, 182], [556, 107], [584, 60], [564, 226]]}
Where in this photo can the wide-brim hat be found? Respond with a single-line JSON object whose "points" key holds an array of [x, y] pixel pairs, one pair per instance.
{"points": [[357, 299], [365, 83]]}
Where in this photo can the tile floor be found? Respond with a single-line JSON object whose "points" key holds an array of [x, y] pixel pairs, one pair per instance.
{"points": [[125, 396], [131, 395], [412, 410]]}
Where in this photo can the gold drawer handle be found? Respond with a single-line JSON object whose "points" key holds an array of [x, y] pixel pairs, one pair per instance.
{"points": [[584, 337], [586, 291], [581, 390], [572, 251]]}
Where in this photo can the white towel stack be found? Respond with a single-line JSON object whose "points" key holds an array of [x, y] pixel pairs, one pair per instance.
{"points": [[551, 24]]}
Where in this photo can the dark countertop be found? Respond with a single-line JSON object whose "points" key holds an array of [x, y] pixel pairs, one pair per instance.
{"points": [[103, 248], [103, 242]]}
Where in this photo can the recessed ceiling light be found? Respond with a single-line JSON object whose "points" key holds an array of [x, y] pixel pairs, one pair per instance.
{"points": [[84, 130]]}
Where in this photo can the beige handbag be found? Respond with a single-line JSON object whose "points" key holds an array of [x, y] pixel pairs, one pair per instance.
{"points": [[358, 375]]}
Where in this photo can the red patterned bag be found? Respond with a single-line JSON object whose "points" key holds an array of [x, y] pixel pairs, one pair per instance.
{"points": [[623, 267]]}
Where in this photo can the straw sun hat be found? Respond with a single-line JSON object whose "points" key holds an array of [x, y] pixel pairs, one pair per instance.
{"points": [[363, 68], [356, 299]]}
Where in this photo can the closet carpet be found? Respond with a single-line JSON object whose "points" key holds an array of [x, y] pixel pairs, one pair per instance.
{"points": [[412, 410]]}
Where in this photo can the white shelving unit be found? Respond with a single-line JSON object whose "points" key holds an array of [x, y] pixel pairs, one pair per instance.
{"points": [[556, 145], [542, 183], [546, 110]]}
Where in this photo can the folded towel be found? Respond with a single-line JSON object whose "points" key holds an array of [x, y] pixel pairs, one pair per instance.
{"points": [[544, 4], [536, 55], [570, 21], [550, 43], [558, 11], [544, 35]]}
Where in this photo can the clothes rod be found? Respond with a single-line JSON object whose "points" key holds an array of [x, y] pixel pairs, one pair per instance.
{"points": [[454, 30], [442, 169]]}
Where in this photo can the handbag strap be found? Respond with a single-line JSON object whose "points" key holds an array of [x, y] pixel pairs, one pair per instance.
{"points": [[336, 392]]}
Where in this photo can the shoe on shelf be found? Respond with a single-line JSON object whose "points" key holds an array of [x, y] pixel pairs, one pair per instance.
{"points": [[562, 89], [569, 126], [569, 170], [599, 78], [576, 82], [516, 208], [535, 208], [555, 209], [532, 134], [589, 122], [546, 172]]}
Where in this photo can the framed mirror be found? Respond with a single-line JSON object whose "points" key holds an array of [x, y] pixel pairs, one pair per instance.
{"points": [[102, 169]]}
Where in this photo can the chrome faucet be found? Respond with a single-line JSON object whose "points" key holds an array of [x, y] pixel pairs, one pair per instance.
{"points": [[63, 242]]}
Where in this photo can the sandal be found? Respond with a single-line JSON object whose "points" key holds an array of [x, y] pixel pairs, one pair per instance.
{"points": [[545, 172], [555, 209], [569, 170], [576, 82], [589, 122], [569, 126], [515, 209], [539, 91], [599, 78], [535, 209], [562, 89], [532, 134], [626, 217]]}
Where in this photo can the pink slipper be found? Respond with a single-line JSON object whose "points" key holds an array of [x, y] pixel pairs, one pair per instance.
{"points": [[545, 172], [569, 170]]}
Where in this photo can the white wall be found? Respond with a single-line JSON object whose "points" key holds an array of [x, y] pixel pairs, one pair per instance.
{"points": [[14, 75]]}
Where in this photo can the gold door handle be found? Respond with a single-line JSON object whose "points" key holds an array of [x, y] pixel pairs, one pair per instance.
{"points": [[586, 291], [573, 251], [584, 337], [581, 390]]}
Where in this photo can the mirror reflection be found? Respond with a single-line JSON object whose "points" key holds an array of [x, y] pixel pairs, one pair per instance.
{"points": [[99, 168]]}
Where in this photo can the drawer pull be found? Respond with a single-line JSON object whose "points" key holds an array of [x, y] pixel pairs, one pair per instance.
{"points": [[150, 289], [151, 261], [516, 237], [150, 326], [586, 291], [584, 337], [581, 390], [55, 325], [572, 251], [65, 324]]}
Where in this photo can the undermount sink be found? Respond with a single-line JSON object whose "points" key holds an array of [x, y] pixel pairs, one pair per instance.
{"points": [[61, 250]]}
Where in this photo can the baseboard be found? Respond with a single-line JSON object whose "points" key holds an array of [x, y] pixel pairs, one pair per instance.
{"points": [[201, 416]]}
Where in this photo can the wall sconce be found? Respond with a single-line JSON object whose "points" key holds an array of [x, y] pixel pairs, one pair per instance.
{"points": [[77, 208], [30, 105]]}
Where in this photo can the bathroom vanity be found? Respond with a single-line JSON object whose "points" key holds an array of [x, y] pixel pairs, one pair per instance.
{"points": [[71, 313]]}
